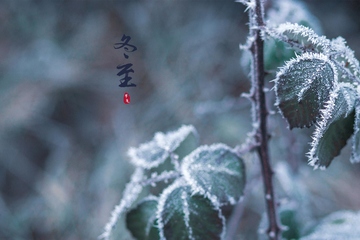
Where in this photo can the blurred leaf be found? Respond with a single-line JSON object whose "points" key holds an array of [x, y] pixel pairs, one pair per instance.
{"points": [[155, 152], [338, 225], [183, 215], [288, 219], [302, 87], [141, 220], [276, 53], [334, 128], [217, 172], [291, 220]]}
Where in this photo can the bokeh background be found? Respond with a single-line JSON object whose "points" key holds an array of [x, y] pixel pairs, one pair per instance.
{"points": [[64, 129]]}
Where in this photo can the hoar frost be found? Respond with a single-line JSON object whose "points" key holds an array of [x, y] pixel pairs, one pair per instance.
{"points": [[130, 194], [155, 152]]}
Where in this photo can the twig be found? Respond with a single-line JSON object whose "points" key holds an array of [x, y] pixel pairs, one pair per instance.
{"points": [[260, 114]]}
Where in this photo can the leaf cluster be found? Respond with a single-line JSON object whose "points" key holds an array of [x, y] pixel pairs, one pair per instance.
{"points": [[319, 87], [197, 187]]}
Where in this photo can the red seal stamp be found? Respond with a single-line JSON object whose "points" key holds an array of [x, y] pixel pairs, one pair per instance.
{"points": [[126, 98]]}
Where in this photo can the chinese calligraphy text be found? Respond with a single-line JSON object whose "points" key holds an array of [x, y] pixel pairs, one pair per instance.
{"points": [[125, 69]]}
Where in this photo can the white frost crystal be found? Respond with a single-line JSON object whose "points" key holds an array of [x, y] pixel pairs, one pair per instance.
{"points": [[152, 154]]}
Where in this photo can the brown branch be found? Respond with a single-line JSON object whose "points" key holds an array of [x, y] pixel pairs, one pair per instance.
{"points": [[260, 114]]}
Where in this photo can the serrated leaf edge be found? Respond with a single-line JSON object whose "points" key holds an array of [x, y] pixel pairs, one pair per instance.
{"points": [[130, 194], [339, 48], [297, 59], [321, 124], [189, 159], [148, 198], [331, 48], [161, 206], [295, 28], [158, 140], [142, 162], [184, 131]]}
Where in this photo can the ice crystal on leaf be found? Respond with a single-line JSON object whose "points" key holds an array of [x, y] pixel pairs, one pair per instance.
{"points": [[130, 194], [334, 127], [304, 39], [302, 87], [300, 37], [182, 214], [141, 220], [155, 152], [215, 171], [320, 86], [348, 65]]}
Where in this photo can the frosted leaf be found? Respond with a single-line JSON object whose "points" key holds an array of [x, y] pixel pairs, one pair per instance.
{"points": [[290, 219], [130, 194], [355, 154], [338, 225], [305, 39], [300, 37], [215, 171], [302, 87], [155, 152], [171, 140], [276, 51], [141, 220], [334, 127], [342, 54], [184, 215]]}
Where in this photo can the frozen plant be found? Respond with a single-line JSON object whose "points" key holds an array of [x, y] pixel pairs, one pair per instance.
{"points": [[199, 185], [317, 85]]}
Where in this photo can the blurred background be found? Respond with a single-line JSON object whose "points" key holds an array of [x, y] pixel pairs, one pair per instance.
{"points": [[64, 129]]}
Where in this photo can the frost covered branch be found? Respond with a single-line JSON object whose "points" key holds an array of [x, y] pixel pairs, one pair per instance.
{"points": [[259, 112]]}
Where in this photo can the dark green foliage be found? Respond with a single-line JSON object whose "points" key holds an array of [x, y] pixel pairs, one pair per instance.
{"points": [[302, 88], [141, 220]]}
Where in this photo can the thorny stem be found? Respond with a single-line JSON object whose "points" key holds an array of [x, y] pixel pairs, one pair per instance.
{"points": [[260, 114]]}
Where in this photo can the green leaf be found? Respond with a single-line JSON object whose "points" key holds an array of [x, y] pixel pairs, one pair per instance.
{"points": [[299, 37], [303, 86], [355, 154], [338, 225], [155, 152], [217, 172], [347, 62], [184, 215], [290, 221], [335, 126], [276, 53], [141, 220]]}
